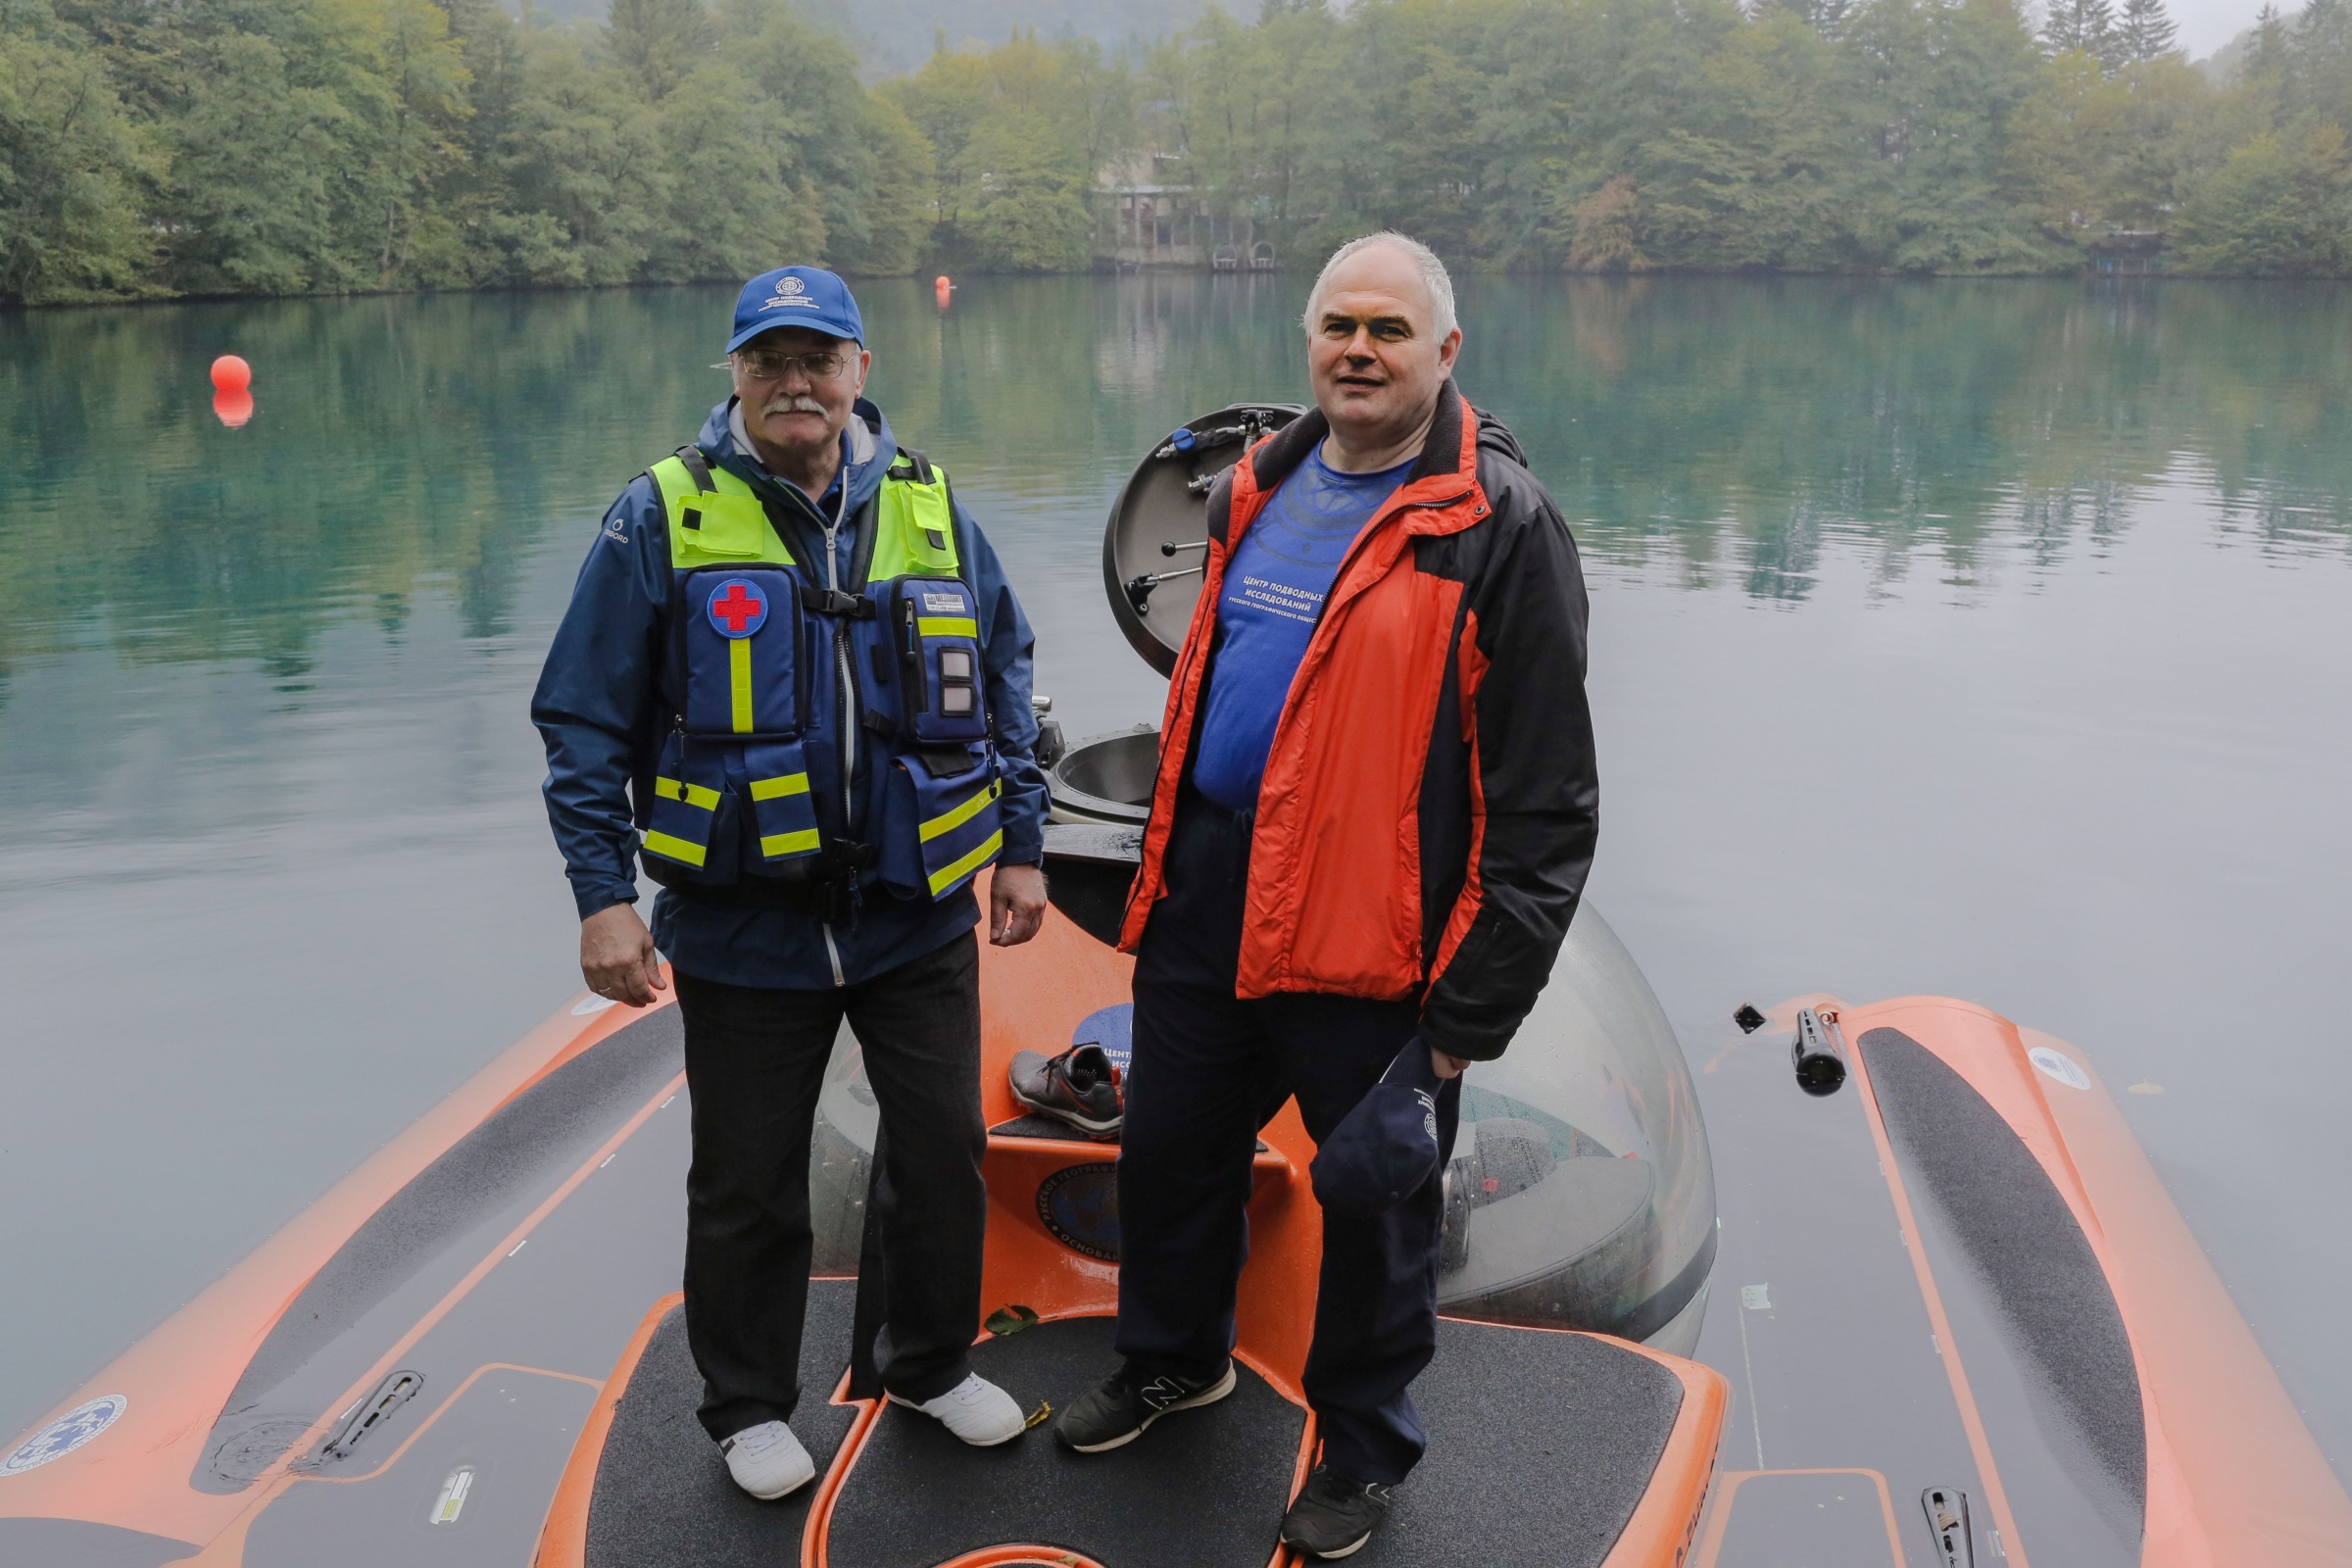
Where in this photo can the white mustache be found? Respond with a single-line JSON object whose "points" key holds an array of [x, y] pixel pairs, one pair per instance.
{"points": [[793, 404]]}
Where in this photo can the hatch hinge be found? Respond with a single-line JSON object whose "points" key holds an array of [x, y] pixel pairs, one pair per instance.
{"points": [[373, 1411], [1947, 1519]]}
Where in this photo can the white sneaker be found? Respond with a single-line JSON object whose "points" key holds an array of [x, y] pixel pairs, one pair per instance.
{"points": [[975, 1410], [768, 1460]]}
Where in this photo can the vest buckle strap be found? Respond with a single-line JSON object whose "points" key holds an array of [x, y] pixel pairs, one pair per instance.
{"points": [[842, 859], [833, 601]]}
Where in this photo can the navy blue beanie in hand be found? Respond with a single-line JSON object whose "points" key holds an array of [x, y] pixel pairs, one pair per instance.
{"points": [[1386, 1148]]}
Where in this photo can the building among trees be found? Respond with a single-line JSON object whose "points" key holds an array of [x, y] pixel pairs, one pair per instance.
{"points": [[1151, 213]]}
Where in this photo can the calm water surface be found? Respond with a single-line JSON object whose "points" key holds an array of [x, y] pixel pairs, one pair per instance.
{"points": [[1985, 639]]}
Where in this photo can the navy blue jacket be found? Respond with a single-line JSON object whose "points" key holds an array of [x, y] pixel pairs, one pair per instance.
{"points": [[599, 710]]}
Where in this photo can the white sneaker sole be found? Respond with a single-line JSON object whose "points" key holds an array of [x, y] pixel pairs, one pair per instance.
{"points": [[951, 1432], [1208, 1396], [783, 1491]]}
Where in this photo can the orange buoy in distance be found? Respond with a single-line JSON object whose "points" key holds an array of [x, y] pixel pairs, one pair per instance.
{"points": [[233, 400], [942, 290]]}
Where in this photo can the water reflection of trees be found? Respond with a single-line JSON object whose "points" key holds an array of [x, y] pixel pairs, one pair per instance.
{"points": [[1725, 431], [1747, 424], [401, 447]]}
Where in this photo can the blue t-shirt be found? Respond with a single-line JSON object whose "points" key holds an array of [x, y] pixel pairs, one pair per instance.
{"points": [[1274, 590]]}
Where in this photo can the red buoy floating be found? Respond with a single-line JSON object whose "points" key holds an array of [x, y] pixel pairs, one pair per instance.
{"points": [[232, 409], [231, 373], [942, 290]]}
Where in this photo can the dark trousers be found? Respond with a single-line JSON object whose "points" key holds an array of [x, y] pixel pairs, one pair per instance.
{"points": [[1209, 1072], [754, 1062]]}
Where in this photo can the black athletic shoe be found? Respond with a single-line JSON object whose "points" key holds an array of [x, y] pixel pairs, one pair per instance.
{"points": [[1118, 1410], [1334, 1516], [1079, 1087]]}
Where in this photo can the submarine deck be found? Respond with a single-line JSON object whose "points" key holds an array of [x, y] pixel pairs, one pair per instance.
{"points": [[1543, 1445]]}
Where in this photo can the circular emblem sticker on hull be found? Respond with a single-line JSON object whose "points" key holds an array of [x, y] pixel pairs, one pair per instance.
{"points": [[63, 1435], [1080, 1206]]}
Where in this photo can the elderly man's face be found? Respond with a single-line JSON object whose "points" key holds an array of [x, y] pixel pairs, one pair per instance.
{"points": [[798, 386], [1373, 355]]}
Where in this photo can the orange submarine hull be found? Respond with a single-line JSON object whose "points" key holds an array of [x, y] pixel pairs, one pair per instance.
{"points": [[1969, 1292]]}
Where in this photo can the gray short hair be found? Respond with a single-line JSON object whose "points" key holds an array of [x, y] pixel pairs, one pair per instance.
{"points": [[1433, 276]]}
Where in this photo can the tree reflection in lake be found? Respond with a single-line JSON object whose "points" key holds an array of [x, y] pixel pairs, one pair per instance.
{"points": [[1725, 425]]}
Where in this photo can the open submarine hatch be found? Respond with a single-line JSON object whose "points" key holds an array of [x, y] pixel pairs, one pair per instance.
{"points": [[1941, 1314]]}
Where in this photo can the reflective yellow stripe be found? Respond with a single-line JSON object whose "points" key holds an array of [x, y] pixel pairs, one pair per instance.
{"points": [[669, 788], [770, 789], [800, 843], [956, 816], [738, 676], [947, 626], [663, 843], [947, 876]]}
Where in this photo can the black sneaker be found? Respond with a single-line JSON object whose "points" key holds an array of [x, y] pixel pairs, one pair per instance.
{"points": [[1079, 1088], [1118, 1410], [1334, 1516]]}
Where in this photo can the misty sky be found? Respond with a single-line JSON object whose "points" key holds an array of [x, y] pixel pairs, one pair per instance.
{"points": [[2207, 25]]}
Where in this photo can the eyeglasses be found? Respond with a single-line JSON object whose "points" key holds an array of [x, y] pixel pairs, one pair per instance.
{"points": [[770, 365]]}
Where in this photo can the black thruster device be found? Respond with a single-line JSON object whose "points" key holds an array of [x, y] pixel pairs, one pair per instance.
{"points": [[1819, 1053]]}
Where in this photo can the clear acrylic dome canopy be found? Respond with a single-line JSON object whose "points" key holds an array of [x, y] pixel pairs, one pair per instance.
{"points": [[1580, 1194]]}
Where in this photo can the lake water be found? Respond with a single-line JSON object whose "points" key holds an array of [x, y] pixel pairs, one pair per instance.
{"points": [[1986, 639]]}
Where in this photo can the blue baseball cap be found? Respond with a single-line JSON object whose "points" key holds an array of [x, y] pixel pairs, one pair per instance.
{"points": [[797, 296], [1387, 1148]]}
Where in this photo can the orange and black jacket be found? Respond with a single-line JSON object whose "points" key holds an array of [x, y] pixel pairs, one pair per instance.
{"points": [[1430, 802]]}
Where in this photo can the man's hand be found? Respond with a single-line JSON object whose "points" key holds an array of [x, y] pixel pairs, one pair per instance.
{"points": [[617, 957], [1446, 1066], [1016, 903]]}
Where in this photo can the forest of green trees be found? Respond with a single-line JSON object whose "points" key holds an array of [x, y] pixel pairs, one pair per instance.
{"points": [[216, 147]]}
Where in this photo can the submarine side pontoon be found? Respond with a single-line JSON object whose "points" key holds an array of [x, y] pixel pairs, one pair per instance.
{"points": [[1940, 1313]]}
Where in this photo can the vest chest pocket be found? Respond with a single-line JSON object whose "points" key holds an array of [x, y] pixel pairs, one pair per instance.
{"points": [[720, 527], [739, 633], [935, 630], [945, 819]]}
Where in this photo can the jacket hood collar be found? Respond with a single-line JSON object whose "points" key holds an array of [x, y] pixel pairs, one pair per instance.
{"points": [[872, 449]]}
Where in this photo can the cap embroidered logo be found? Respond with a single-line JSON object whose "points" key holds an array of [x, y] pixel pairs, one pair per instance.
{"points": [[790, 291]]}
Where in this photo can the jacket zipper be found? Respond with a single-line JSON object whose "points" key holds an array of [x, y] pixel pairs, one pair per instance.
{"points": [[847, 688]]}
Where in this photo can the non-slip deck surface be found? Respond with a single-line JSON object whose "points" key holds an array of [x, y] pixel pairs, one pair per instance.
{"points": [[662, 1499], [1202, 1489], [1540, 1448], [2026, 1249]]}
